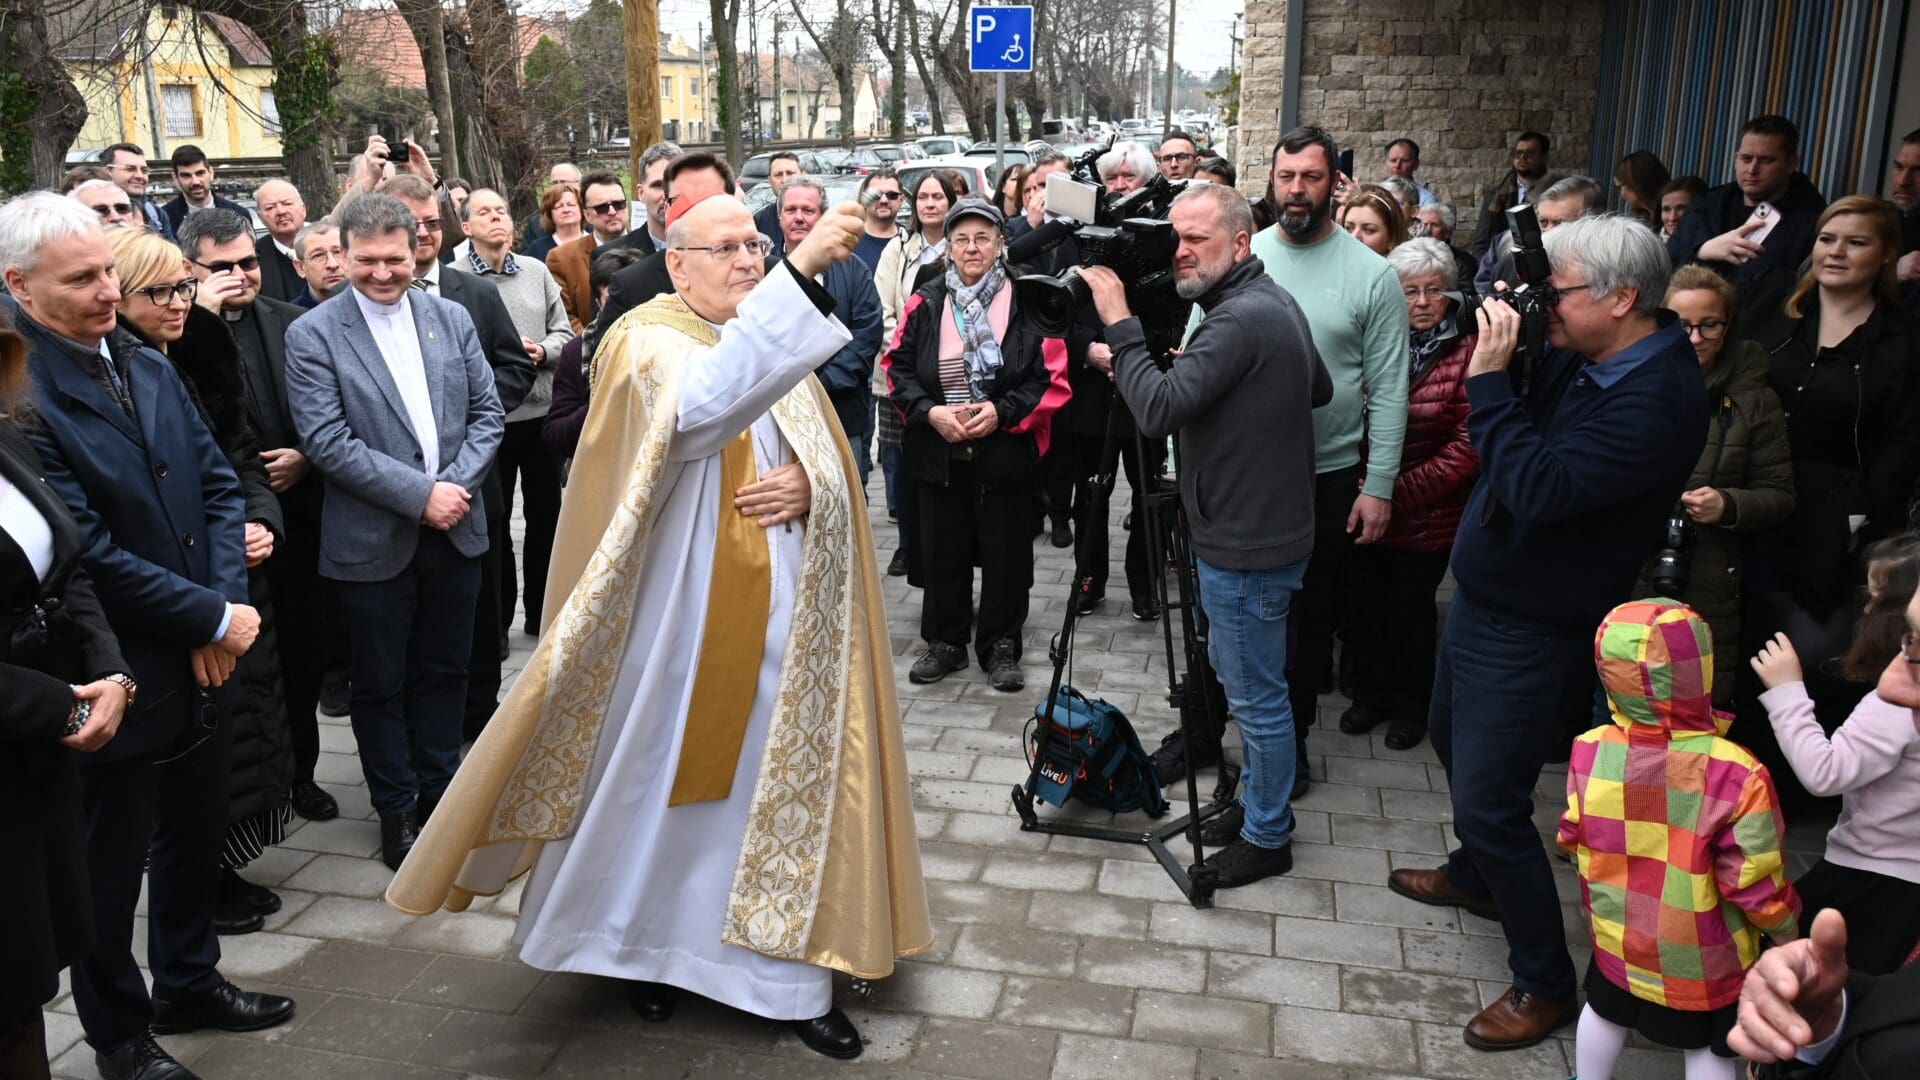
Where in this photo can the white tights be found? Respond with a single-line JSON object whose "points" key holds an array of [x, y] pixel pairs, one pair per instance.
{"points": [[1599, 1043]]}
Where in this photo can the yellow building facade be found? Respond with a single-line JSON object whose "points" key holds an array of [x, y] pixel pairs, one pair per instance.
{"points": [[201, 79], [683, 93]]}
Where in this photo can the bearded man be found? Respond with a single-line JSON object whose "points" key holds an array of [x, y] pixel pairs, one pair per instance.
{"points": [[702, 765]]}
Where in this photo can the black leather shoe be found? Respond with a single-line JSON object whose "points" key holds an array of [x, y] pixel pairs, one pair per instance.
{"points": [[336, 698], [1090, 601], [833, 1035], [1359, 719], [1244, 862], [141, 1059], [1225, 829], [224, 1008], [898, 566], [233, 917], [238, 890], [423, 808], [1062, 534], [1170, 760], [312, 802], [652, 1001], [1406, 733], [1146, 608], [397, 834]]}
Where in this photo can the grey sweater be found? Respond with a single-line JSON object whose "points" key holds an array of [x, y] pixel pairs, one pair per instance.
{"points": [[539, 311], [1241, 397]]}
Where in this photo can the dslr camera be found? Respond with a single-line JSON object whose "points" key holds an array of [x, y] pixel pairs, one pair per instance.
{"points": [[1673, 563], [1128, 234], [1530, 294]]}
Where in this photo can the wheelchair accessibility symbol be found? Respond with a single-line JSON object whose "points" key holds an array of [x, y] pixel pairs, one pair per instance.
{"points": [[1000, 39]]}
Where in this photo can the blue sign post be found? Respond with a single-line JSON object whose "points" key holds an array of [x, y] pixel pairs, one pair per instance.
{"points": [[1000, 39]]}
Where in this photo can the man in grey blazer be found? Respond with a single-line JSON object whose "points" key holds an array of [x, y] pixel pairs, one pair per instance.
{"points": [[396, 408]]}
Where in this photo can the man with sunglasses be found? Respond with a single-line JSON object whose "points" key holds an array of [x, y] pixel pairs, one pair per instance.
{"points": [[1529, 168], [604, 199], [128, 165], [1579, 466], [109, 200]]}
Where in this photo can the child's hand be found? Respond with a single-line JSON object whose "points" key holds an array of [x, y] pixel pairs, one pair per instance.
{"points": [[1777, 665]]}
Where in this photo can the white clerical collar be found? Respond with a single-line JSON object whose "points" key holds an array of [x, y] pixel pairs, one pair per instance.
{"points": [[371, 307]]}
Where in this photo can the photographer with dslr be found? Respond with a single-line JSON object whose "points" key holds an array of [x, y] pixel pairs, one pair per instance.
{"points": [[1578, 475], [1240, 397]]}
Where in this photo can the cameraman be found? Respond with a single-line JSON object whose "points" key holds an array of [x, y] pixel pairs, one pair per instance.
{"points": [[1241, 397], [1577, 480]]}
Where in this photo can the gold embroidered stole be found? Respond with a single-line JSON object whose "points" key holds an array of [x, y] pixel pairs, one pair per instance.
{"points": [[738, 597]]}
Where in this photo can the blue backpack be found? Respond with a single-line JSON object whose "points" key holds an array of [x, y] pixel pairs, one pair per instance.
{"points": [[1093, 755]]}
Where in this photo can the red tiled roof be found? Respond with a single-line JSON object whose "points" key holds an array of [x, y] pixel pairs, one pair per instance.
{"points": [[380, 41]]}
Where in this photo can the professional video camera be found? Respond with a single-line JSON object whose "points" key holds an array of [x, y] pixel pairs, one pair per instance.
{"points": [[1530, 295], [1129, 234]]}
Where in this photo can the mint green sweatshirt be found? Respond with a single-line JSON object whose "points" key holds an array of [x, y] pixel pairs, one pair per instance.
{"points": [[1358, 316]]}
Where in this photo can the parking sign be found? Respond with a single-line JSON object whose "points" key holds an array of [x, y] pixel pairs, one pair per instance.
{"points": [[1000, 39]]}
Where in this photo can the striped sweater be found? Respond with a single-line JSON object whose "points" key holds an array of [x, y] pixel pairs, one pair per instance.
{"points": [[1675, 829]]}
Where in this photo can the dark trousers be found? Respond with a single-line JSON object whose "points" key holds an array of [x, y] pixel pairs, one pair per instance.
{"points": [[23, 1046], [1318, 607], [523, 453], [1883, 913], [961, 521], [164, 821], [1500, 691], [1087, 450], [411, 638], [488, 639], [300, 608], [1394, 628], [1056, 472]]}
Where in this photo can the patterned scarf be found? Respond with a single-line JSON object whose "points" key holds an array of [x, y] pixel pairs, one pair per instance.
{"points": [[970, 303], [1428, 345]]}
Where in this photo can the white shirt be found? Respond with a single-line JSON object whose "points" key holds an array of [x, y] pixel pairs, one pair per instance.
{"points": [[287, 251], [399, 343], [20, 519], [431, 277]]}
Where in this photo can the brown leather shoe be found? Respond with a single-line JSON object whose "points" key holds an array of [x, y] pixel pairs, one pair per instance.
{"points": [[1432, 887], [1517, 1020]]}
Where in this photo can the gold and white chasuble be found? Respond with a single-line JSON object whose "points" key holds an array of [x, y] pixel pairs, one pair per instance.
{"points": [[810, 862]]}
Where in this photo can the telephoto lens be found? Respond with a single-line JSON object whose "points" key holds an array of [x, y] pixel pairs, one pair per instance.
{"points": [[1673, 563]]}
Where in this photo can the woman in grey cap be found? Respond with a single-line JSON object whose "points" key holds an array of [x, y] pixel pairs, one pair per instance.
{"points": [[977, 388]]}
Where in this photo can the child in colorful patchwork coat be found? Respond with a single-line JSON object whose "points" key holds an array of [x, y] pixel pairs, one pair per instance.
{"points": [[1677, 836]]}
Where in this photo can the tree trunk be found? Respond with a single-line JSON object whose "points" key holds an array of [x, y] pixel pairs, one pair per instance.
{"points": [[43, 96], [505, 113], [728, 61], [935, 111], [429, 26], [893, 47]]}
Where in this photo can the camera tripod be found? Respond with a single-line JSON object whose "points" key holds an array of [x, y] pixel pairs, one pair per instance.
{"points": [[1191, 691]]}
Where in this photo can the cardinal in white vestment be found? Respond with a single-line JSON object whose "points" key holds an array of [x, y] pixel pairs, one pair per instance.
{"points": [[702, 766]]}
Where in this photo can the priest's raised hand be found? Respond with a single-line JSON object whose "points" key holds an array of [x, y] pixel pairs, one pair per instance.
{"points": [[832, 240]]}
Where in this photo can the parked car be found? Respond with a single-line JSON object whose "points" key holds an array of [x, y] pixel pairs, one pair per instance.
{"points": [[978, 174], [755, 171], [839, 189], [943, 145], [1016, 155], [895, 153], [859, 161]]}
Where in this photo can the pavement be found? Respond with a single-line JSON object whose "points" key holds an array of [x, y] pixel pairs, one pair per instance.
{"points": [[1053, 956]]}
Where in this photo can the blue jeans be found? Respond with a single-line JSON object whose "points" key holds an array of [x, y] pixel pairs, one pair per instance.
{"points": [[1247, 611], [1501, 695]]}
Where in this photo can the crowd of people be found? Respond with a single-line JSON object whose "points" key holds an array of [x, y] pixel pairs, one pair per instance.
{"points": [[255, 467]]}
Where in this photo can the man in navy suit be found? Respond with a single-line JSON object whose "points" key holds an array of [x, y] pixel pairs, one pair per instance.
{"points": [[396, 409], [193, 175], [163, 525]]}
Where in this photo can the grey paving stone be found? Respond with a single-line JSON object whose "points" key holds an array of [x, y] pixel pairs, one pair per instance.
{"points": [[493, 1046], [1116, 962], [1445, 1055], [987, 1051], [567, 997], [1366, 772], [1288, 895], [1409, 995], [967, 903], [624, 1051], [1312, 939], [999, 830], [1222, 1065], [1015, 949], [463, 933], [341, 769], [1381, 906], [1458, 954], [1195, 1020], [292, 903], [1329, 863], [233, 1057], [933, 990], [1086, 1057], [1140, 880], [365, 921], [1343, 1039], [1066, 1006], [351, 967], [1089, 915], [961, 795], [389, 1030], [1416, 805], [950, 862], [467, 983], [1103, 849], [343, 875], [930, 763], [263, 955], [1388, 834], [1275, 981], [341, 836], [1237, 931], [275, 865], [1053, 872]]}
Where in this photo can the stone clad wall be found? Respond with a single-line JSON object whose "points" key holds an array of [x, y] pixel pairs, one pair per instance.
{"points": [[1460, 77]]}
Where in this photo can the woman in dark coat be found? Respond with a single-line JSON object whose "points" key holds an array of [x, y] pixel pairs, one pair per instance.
{"points": [[977, 389], [56, 651], [1845, 363], [252, 702], [1392, 608], [1743, 483]]}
